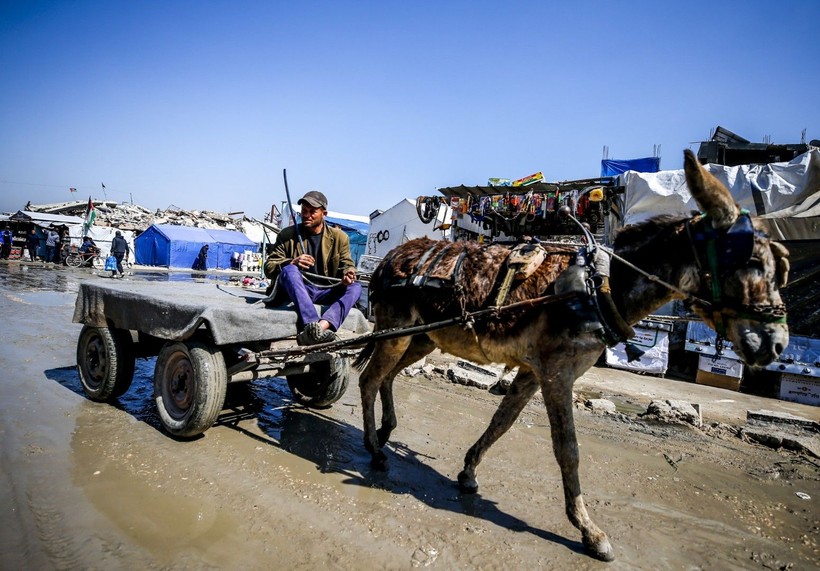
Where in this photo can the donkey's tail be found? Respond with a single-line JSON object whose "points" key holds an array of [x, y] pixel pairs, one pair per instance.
{"points": [[364, 356]]}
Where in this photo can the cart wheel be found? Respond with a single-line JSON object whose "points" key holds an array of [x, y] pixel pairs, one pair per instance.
{"points": [[105, 361], [190, 380], [73, 260], [323, 385]]}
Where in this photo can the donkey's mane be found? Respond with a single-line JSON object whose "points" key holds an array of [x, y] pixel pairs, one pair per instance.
{"points": [[647, 232]]}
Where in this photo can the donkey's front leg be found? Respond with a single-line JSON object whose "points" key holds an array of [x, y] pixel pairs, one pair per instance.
{"points": [[521, 390], [558, 400]]}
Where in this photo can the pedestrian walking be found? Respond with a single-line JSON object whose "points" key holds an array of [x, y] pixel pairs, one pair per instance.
{"points": [[32, 243], [120, 250]]}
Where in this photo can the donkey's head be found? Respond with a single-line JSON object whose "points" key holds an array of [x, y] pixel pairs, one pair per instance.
{"points": [[743, 270]]}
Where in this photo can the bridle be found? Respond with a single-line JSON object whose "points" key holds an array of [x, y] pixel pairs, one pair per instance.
{"points": [[727, 249], [716, 251]]}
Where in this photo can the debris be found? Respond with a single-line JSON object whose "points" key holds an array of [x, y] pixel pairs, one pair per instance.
{"points": [[779, 439], [136, 218], [802, 495], [673, 412], [670, 461], [600, 406], [472, 376], [416, 368], [769, 417]]}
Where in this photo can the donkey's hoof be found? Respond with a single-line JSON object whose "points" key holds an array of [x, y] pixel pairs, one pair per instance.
{"points": [[379, 462], [467, 484], [601, 549], [383, 434]]}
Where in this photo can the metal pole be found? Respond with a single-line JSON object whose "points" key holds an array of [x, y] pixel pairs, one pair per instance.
{"points": [[292, 213]]}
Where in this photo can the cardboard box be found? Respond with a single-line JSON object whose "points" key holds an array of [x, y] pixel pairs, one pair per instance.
{"points": [[721, 366], [720, 372], [654, 343], [719, 381], [800, 388]]}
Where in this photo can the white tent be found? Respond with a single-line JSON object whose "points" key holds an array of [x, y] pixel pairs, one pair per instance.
{"points": [[102, 235], [785, 195]]}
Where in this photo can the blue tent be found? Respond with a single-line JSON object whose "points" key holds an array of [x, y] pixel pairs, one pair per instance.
{"points": [[356, 231], [178, 246]]}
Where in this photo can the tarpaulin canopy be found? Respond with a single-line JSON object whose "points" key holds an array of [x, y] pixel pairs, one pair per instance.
{"points": [[786, 196], [614, 167], [178, 246]]}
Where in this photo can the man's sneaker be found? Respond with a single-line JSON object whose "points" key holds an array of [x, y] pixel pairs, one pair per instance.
{"points": [[313, 334], [310, 334], [329, 336]]}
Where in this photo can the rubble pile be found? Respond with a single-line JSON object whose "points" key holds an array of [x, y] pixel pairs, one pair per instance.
{"points": [[136, 218]]}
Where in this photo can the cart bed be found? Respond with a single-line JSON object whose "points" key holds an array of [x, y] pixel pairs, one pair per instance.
{"points": [[174, 311]]}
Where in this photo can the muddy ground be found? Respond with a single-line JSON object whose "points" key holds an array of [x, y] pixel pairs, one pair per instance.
{"points": [[274, 485]]}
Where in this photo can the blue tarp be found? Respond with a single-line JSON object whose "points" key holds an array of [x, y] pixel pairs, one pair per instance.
{"points": [[614, 167], [178, 246], [356, 231]]}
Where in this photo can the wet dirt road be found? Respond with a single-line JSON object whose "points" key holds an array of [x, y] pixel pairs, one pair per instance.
{"points": [[274, 485]]}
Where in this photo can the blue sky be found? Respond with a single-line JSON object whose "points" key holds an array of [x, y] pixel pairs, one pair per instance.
{"points": [[201, 104]]}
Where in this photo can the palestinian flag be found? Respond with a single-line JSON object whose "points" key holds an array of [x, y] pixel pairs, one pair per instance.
{"points": [[90, 215]]}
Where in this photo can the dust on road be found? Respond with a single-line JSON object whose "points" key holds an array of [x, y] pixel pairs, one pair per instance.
{"points": [[272, 484]]}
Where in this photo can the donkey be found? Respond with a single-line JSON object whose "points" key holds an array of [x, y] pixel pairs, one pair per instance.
{"points": [[728, 271]]}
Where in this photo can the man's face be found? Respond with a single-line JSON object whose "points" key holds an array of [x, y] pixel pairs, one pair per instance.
{"points": [[312, 217]]}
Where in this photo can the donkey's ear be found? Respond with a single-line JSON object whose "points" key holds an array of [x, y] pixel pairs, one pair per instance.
{"points": [[781, 255], [709, 193]]}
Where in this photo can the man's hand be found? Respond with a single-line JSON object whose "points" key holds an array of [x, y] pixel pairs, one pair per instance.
{"points": [[349, 277], [304, 261]]}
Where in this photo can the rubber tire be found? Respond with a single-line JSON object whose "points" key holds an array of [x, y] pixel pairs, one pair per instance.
{"points": [[97, 263], [324, 384], [73, 260], [190, 381], [105, 362]]}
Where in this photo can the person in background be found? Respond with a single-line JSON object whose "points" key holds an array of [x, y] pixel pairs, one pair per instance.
{"points": [[32, 243], [89, 249], [52, 244], [65, 250], [6, 237], [120, 250], [321, 251], [201, 262]]}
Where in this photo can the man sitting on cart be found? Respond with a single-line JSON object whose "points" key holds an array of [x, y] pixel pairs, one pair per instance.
{"points": [[302, 256], [89, 249]]}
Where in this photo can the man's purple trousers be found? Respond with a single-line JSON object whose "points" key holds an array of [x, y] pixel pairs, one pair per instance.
{"points": [[339, 299]]}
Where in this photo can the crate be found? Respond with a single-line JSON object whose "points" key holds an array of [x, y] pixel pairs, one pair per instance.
{"points": [[716, 380], [720, 372], [652, 337], [800, 388]]}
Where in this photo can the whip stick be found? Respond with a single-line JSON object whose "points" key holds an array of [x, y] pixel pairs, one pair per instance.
{"points": [[292, 213]]}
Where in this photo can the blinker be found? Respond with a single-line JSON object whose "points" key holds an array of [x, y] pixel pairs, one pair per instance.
{"points": [[735, 246]]}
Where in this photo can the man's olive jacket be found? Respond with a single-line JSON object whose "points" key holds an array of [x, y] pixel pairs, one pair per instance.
{"points": [[335, 258]]}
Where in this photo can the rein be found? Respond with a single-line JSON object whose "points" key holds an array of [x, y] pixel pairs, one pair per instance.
{"points": [[464, 319]]}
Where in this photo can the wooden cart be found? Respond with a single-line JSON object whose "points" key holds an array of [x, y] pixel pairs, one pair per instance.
{"points": [[204, 336]]}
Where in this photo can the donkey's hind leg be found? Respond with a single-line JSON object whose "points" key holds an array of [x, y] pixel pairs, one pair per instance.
{"points": [[420, 346], [389, 357], [558, 400], [519, 394]]}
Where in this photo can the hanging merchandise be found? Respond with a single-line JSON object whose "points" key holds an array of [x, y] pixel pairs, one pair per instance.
{"points": [[427, 208]]}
